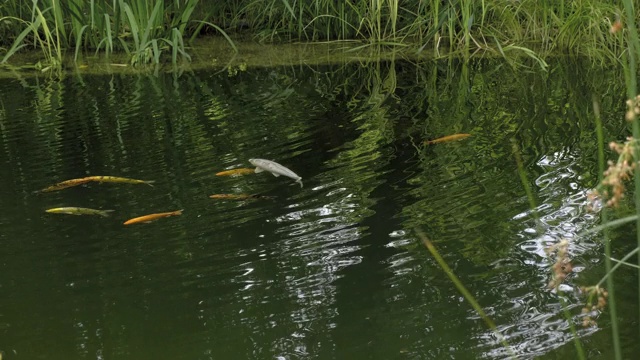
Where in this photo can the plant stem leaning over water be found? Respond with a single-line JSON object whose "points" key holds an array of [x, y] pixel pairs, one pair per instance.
{"points": [[467, 295]]}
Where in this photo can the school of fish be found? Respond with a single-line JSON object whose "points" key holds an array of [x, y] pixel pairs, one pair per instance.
{"points": [[260, 166]]}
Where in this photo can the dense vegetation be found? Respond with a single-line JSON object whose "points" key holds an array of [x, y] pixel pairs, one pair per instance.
{"points": [[146, 30]]}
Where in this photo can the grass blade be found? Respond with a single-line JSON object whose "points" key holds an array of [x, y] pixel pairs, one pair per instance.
{"points": [[467, 295], [231, 43], [17, 44], [78, 42]]}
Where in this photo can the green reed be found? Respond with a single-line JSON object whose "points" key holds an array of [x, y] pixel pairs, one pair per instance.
{"points": [[142, 29], [459, 26], [44, 33], [607, 241], [632, 56]]}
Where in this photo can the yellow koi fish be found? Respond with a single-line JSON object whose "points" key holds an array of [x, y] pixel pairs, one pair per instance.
{"points": [[239, 196], [65, 184], [78, 211], [236, 172], [115, 179], [152, 217], [447, 139]]}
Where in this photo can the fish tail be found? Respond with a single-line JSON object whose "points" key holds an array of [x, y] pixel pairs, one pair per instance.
{"points": [[178, 212], [105, 213], [150, 183], [300, 182]]}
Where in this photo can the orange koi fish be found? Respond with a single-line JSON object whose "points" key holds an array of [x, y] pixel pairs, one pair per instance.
{"points": [[447, 139], [239, 197], [152, 217], [115, 179], [65, 184], [236, 172]]}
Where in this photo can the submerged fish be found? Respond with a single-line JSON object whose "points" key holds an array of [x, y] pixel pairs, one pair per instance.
{"points": [[78, 211], [75, 182], [274, 168], [234, 172], [152, 217], [115, 179], [447, 139], [65, 184], [239, 196]]}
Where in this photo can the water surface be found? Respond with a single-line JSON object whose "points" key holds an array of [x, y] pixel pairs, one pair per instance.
{"points": [[333, 270]]}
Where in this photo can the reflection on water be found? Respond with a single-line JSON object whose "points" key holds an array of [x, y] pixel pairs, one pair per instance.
{"points": [[332, 270]]}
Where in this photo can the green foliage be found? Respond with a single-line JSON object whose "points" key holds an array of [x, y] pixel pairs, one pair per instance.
{"points": [[142, 29], [460, 25]]}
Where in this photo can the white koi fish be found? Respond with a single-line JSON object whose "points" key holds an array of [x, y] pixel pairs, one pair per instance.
{"points": [[274, 168]]}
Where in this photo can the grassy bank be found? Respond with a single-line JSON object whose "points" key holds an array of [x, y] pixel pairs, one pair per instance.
{"points": [[158, 30]]}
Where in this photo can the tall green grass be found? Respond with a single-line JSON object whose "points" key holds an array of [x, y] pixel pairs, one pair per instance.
{"points": [[142, 29], [633, 56], [145, 29], [607, 243]]}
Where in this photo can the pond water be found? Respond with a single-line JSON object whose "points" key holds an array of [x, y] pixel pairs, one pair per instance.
{"points": [[332, 270]]}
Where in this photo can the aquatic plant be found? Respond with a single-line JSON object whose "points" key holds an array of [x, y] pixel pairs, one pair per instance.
{"points": [[47, 37], [141, 29], [460, 25], [144, 29]]}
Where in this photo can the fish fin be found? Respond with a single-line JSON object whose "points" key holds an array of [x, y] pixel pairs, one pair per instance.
{"points": [[300, 182], [276, 175], [150, 183], [258, 170]]}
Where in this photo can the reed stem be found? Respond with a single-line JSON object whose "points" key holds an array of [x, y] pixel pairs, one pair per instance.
{"points": [[607, 242]]}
